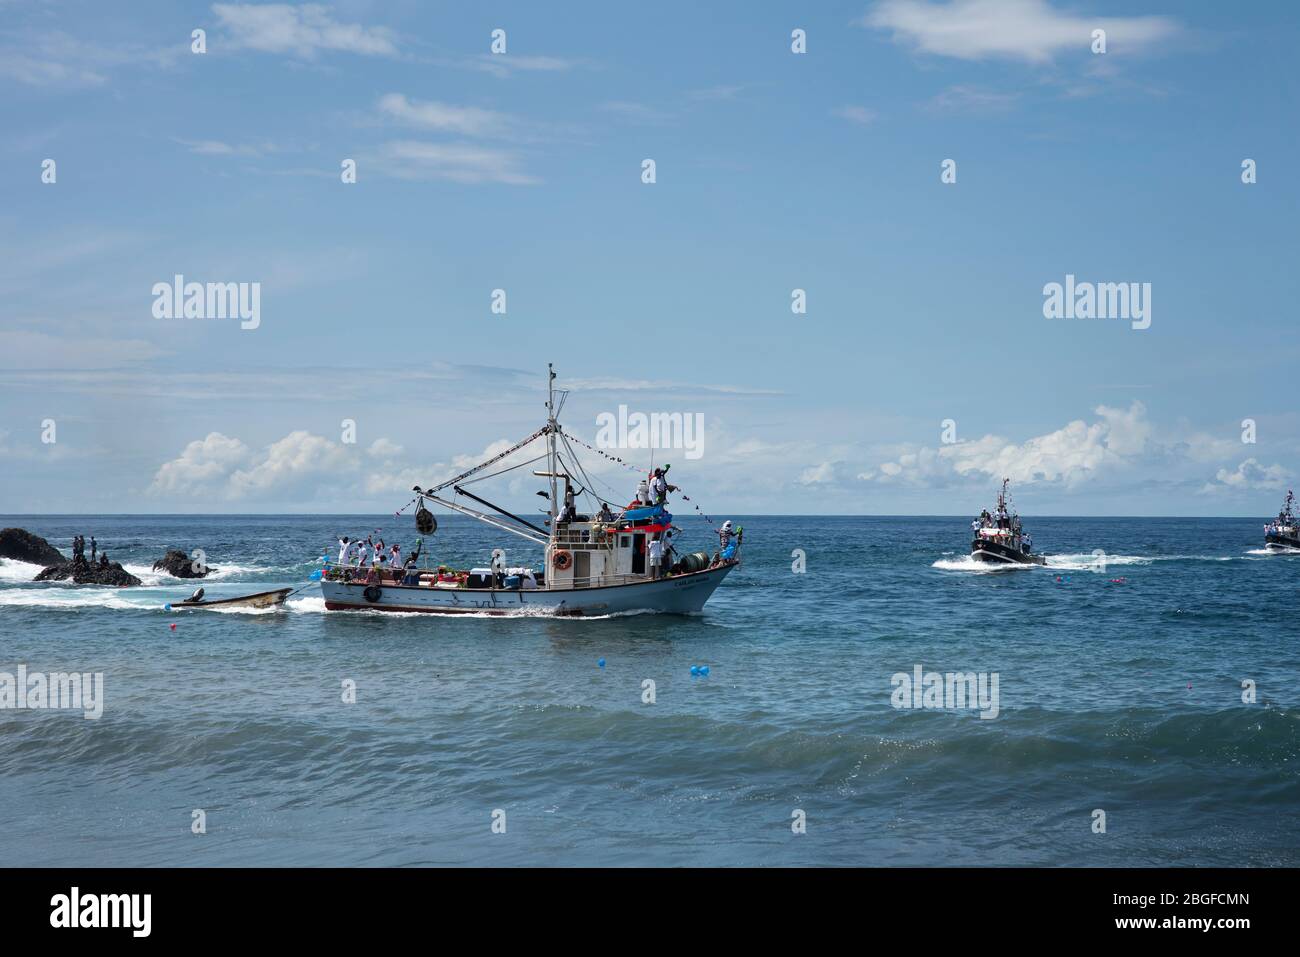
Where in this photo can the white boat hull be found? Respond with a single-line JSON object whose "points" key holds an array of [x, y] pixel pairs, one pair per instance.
{"points": [[679, 594]]}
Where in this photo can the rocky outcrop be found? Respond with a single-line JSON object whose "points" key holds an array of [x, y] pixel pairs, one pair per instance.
{"points": [[22, 546], [83, 572], [177, 564]]}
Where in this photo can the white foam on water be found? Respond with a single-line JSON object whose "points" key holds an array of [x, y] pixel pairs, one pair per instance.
{"points": [[1274, 551], [12, 570], [1091, 562], [76, 597], [968, 564], [148, 576]]}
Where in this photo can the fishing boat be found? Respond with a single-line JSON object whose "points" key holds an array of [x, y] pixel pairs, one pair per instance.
{"points": [[1000, 538], [1282, 534], [262, 599], [593, 564]]}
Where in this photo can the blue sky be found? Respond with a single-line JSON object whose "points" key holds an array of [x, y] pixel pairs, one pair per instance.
{"points": [[775, 171]]}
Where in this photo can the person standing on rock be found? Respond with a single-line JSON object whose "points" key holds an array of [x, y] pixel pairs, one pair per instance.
{"points": [[93, 545]]}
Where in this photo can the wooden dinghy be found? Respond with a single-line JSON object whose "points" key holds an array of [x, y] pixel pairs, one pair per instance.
{"points": [[263, 599]]}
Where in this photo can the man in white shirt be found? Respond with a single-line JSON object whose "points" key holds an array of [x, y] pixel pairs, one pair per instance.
{"points": [[345, 546], [656, 555]]}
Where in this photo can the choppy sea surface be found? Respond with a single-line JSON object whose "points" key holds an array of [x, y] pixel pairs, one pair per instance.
{"points": [[1120, 689]]}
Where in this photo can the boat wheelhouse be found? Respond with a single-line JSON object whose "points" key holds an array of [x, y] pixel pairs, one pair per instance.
{"points": [[1000, 538], [593, 563]]}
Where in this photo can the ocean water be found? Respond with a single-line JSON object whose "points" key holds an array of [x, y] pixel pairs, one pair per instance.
{"points": [[1119, 689]]}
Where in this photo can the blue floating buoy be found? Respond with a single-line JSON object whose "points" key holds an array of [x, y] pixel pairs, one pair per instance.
{"points": [[167, 607], [704, 670], [600, 663], [695, 669]]}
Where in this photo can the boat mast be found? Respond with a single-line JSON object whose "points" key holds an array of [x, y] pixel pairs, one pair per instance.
{"points": [[550, 441]]}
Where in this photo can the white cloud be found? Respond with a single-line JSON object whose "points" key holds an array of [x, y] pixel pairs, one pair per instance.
{"points": [[302, 31], [28, 350], [458, 162], [203, 464], [1247, 476], [57, 59], [444, 117], [506, 65], [300, 466], [857, 114], [1068, 455], [1028, 30], [969, 99]]}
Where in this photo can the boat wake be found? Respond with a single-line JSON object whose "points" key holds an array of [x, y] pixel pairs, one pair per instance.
{"points": [[968, 564], [1083, 561]]}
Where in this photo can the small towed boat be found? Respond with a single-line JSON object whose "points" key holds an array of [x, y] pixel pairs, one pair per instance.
{"points": [[263, 599]]}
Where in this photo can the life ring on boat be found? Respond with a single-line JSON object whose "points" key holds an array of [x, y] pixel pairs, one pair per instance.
{"points": [[561, 560], [372, 593]]}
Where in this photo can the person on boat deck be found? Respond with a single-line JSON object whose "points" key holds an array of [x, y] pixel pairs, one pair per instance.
{"points": [[395, 557], [655, 552], [659, 487], [643, 492], [345, 548], [373, 577], [570, 511], [103, 559], [411, 577], [377, 552], [1026, 542], [605, 514]]}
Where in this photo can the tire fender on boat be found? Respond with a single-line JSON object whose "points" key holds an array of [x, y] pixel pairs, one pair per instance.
{"points": [[372, 593]]}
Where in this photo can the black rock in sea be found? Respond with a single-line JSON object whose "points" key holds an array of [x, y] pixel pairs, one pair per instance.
{"points": [[83, 572], [177, 564], [22, 546]]}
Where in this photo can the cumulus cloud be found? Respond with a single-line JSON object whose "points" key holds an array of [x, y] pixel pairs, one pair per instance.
{"points": [[1248, 476], [1068, 454], [203, 464], [1029, 30], [302, 31], [299, 465]]}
